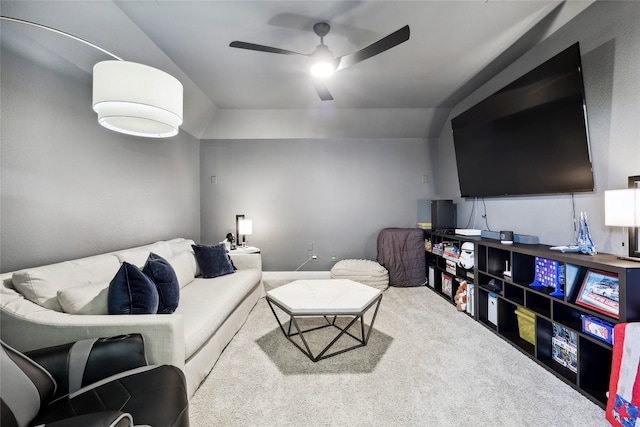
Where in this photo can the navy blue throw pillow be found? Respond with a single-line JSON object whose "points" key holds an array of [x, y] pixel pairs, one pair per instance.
{"points": [[160, 271], [132, 292], [213, 260]]}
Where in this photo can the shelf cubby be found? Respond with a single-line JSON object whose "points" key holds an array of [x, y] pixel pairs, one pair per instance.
{"points": [[544, 355], [595, 369], [567, 315], [538, 303], [481, 258], [508, 327], [489, 283], [498, 260], [522, 269], [482, 309], [514, 294]]}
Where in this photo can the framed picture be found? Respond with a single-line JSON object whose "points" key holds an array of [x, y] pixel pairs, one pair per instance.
{"points": [[600, 292]]}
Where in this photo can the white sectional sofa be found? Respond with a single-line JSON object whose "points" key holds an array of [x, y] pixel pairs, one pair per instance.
{"points": [[209, 314]]}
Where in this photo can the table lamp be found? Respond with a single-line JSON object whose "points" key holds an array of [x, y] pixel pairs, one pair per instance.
{"points": [[245, 228], [622, 209]]}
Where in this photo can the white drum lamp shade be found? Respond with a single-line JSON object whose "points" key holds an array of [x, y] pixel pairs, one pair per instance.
{"points": [[136, 99], [245, 227], [622, 207]]}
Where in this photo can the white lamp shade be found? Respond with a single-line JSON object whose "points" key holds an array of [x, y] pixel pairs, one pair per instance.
{"points": [[622, 208], [137, 99], [245, 227]]}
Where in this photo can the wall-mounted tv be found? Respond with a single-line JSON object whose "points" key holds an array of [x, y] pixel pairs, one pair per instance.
{"points": [[531, 137]]}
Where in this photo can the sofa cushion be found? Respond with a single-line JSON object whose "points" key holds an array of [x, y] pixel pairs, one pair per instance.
{"points": [[181, 245], [85, 299], [138, 256], [132, 292], [41, 284], [184, 264], [207, 303], [213, 260], [162, 274]]}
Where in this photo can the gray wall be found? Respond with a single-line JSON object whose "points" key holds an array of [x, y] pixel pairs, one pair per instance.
{"points": [[308, 197], [70, 188], [609, 37]]}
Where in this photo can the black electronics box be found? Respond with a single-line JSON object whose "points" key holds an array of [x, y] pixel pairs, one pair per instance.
{"points": [[443, 214]]}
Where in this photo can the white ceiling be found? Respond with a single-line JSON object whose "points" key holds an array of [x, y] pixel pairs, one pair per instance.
{"points": [[454, 47]]}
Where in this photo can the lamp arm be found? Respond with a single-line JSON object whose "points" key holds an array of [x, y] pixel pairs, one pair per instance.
{"points": [[53, 30]]}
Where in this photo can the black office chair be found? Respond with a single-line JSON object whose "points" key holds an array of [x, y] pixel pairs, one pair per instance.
{"points": [[96, 382]]}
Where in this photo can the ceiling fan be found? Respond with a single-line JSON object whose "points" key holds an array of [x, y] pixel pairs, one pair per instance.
{"points": [[324, 63]]}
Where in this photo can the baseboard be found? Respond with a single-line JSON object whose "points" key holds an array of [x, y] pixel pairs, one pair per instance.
{"points": [[295, 275]]}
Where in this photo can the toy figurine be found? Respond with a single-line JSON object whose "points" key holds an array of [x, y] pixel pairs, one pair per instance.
{"points": [[231, 240], [585, 244], [466, 258], [461, 296]]}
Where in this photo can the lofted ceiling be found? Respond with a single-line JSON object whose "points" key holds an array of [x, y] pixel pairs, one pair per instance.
{"points": [[454, 47]]}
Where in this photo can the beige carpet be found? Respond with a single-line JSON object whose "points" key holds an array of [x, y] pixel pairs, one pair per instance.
{"points": [[425, 365]]}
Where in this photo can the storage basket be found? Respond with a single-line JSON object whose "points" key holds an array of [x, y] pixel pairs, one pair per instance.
{"points": [[526, 325]]}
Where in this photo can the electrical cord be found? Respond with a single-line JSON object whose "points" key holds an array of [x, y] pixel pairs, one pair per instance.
{"points": [[485, 215], [473, 208], [304, 263]]}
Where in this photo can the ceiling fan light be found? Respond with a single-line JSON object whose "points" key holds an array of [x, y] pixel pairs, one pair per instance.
{"points": [[322, 69], [136, 99]]}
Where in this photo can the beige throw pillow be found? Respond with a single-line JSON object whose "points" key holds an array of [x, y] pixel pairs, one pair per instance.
{"points": [[86, 299], [184, 264]]}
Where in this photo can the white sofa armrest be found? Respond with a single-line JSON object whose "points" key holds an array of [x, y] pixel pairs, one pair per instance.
{"points": [[28, 326]]}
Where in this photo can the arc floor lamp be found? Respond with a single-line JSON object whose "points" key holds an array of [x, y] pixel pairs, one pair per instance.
{"points": [[130, 98]]}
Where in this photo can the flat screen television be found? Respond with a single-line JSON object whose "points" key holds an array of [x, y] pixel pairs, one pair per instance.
{"points": [[531, 137]]}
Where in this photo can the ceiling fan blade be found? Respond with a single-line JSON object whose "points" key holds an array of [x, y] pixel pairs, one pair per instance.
{"points": [[262, 48], [386, 43], [323, 90]]}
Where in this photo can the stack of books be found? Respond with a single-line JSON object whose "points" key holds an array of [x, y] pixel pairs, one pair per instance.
{"points": [[450, 266], [450, 251], [471, 298], [447, 285]]}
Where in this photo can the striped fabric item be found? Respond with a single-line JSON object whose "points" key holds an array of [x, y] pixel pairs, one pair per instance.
{"points": [[25, 386], [624, 386]]}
